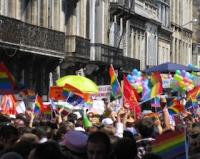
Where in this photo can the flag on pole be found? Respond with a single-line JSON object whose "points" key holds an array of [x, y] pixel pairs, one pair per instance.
{"points": [[38, 104], [131, 97], [175, 107], [115, 86]]}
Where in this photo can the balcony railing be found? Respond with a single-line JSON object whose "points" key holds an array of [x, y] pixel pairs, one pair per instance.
{"points": [[77, 46], [106, 54], [125, 5], [24, 36]]}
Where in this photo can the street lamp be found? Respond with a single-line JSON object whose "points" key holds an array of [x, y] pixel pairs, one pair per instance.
{"points": [[192, 21]]}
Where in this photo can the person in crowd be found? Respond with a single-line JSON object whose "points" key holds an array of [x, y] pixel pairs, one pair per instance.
{"points": [[47, 150], [146, 129], [8, 135], [98, 146], [125, 148], [74, 144]]}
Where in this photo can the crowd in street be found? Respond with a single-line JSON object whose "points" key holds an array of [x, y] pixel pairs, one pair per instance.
{"points": [[88, 135]]}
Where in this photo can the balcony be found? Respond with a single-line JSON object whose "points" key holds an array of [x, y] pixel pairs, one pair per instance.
{"points": [[77, 47], [106, 54], [15, 34], [122, 7]]}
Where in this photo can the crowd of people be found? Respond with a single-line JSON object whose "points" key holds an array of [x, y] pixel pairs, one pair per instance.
{"points": [[84, 134]]}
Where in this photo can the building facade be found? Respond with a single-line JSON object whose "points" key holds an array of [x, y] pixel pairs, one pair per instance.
{"points": [[181, 24], [196, 34], [42, 40]]}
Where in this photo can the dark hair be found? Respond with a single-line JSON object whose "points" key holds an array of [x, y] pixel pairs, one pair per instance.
{"points": [[128, 134], [145, 127], [151, 156], [72, 118], [100, 137], [125, 148], [39, 131], [7, 130], [50, 150]]}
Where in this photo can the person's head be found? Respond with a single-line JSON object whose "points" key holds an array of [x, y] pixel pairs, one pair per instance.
{"points": [[50, 150], [8, 134], [98, 146], [29, 137], [23, 148], [151, 156], [125, 148], [75, 143], [11, 155], [145, 127]]}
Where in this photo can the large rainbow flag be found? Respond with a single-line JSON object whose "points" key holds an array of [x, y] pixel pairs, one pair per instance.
{"points": [[115, 86], [7, 81], [171, 145]]}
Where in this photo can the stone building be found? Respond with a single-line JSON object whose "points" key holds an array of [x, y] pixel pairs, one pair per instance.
{"points": [[196, 34], [181, 23], [42, 39]]}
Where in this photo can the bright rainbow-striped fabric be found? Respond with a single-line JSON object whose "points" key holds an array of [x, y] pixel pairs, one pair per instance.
{"points": [[171, 145], [175, 107], [7, 81], [38, 104], [156, 82], [115, 86]]}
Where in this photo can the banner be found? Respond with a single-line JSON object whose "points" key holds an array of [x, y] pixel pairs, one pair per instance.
{"points": [[56, 93], [171, 145]]}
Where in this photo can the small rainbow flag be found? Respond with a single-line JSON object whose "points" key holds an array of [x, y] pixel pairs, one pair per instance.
{"points": [[175, 107], [116, 89], [171, 145], [156, 82], [38, 104], [7, 81]]}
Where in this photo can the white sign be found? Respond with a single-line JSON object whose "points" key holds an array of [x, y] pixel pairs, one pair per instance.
{"points": [[104, 92], [166, 83]]}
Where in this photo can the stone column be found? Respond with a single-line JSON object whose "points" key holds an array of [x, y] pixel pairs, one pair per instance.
{"points": [[136, 44], [44, 13], [92, 21], [163, 15], [132, 43], [173, 50], [56, 12], [177, 50], [34, 8], [143, 59]]}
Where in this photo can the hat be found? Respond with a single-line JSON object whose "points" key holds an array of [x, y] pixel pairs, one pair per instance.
{"points": [[107, 121], [78, 115], [75, 141]]}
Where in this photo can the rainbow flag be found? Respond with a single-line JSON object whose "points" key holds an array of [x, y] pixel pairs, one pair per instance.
{"points": [[194, 93], [156, 82], [38, 104], [175, 107], [115, 86], [7, 81], [171, 145], [153, 88]]}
